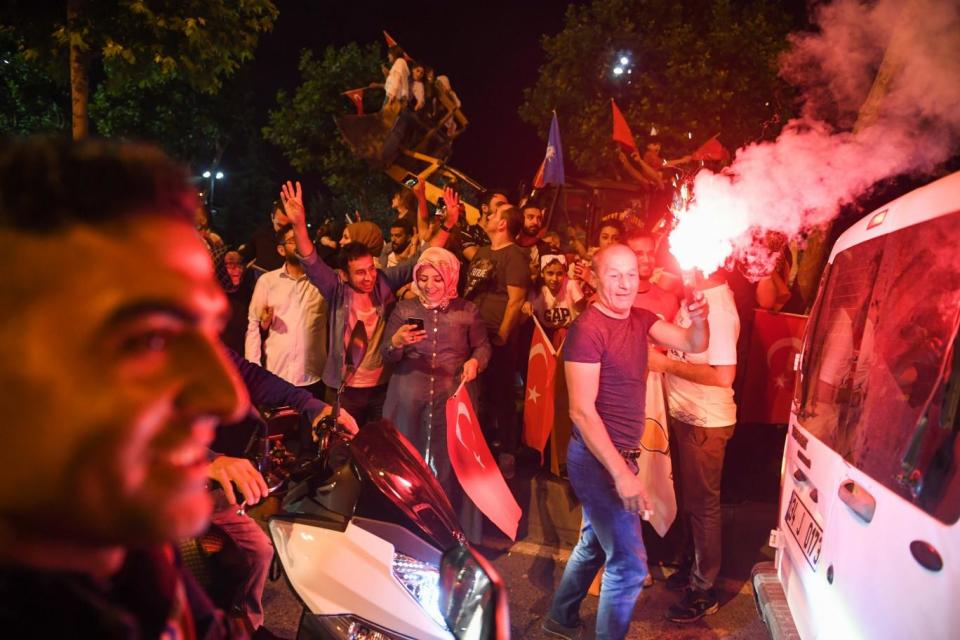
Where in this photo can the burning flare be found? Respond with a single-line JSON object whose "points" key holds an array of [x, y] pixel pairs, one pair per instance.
{"points": [[709, 222]]}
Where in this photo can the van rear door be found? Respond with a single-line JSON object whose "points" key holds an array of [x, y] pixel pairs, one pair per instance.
{"points": [[877, 398]]}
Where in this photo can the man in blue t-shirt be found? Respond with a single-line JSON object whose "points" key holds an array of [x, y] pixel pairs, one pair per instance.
{"points": [[606, 368]]}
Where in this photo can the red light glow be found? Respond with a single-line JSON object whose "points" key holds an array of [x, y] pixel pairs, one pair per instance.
{"points": [[707, 225]]}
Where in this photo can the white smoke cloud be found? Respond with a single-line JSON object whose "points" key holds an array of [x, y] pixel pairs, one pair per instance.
{"points": [[826, 158]]}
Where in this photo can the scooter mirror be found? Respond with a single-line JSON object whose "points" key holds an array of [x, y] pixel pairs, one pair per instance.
{"points": [[473, 598]]}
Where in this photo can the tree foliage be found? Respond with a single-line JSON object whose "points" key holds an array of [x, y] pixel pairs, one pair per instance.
{"points": [[199, 42], [208, 132], [31, 101], [139, 43], [699, 68], [302, 126]]}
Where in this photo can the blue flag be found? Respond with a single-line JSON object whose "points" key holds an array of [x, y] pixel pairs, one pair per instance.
{"points": [[552, 167]]}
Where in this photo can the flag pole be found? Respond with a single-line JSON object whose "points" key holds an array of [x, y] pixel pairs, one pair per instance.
{"points": [[553, 204], [539, 326]]}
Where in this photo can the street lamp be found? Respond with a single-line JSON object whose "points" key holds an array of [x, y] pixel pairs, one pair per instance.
{"points": [[212, 177], [622, 67]]}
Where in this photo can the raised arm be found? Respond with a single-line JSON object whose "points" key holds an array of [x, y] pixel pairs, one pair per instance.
{"points": [[452, 201], [423, 213], [692, 339], [321, 275], [636, 175]]}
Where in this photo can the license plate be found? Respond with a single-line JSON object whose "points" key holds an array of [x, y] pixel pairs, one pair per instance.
{"points": [[805, 530]]}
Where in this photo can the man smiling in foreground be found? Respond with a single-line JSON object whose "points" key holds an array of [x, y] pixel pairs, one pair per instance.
{"points": [[113, 384]]}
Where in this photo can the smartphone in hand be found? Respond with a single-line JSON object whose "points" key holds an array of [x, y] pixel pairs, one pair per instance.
{"points": [[416, 323]]}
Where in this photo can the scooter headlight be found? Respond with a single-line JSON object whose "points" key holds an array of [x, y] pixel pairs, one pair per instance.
{"points": [[347, 627], [422, 580]]}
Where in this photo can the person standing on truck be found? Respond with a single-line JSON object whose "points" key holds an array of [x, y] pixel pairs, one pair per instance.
{"points": [[703, 415]]}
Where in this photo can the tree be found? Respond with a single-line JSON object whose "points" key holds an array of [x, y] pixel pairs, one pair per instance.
{"points": [[206, 131], [31, 101], [199, 42], [687, 74], [302, 126]]}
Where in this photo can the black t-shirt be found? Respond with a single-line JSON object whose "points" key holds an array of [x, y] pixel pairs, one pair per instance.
{"points": [[620, 346], [488, 276]]}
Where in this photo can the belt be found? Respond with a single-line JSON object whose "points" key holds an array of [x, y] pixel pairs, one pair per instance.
{"points": [[628, 454]]}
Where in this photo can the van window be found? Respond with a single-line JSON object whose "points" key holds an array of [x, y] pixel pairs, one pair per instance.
{"points": [[878, 383]]}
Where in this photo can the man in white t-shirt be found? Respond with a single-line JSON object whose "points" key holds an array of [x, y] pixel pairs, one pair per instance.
{"points": [[702, 416]]}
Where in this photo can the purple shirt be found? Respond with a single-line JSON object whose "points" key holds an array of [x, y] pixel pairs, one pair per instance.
{"points": [[620, 346]]}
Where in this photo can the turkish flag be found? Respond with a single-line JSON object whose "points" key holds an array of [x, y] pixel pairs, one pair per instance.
{"points": [[538, 401], [356, 96], [475, 467], [767, 391], [621, 130], [390, 41], [711, 150]]}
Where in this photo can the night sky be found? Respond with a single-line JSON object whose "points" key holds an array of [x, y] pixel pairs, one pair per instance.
{"points": [[490, 50]]}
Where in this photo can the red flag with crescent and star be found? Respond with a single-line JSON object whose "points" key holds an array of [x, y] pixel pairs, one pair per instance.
{"points": [[475, 467], [538, 401], [770, 376], [356, 97]]}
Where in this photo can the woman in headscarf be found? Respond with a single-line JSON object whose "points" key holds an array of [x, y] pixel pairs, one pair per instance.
{"points": [[366, 233], [436, 340]]}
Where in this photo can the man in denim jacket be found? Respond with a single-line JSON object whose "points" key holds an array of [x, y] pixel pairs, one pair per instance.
{"points": [[363, 295]]}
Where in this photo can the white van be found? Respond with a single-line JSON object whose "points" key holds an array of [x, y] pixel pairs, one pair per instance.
{"points": [[868, 544]]}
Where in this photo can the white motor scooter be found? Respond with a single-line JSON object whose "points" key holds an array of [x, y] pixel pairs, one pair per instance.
{"points": [[370, 544]]}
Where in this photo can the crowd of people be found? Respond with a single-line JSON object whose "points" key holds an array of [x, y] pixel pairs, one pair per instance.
{"points": [[445, 302], [123, 379]]}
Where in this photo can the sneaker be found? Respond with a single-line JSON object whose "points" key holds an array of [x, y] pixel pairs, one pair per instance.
{"points": [[553, 629], [695, 604], [679, 580]]}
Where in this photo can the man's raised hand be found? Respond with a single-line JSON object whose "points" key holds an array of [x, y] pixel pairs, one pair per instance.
{"points": [[291, 195], [452, 201]]}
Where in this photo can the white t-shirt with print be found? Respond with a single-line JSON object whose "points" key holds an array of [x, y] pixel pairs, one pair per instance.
{"points": [[557, 312], [699, 404]]}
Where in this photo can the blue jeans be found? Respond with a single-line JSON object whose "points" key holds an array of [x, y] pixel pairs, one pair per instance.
{"points": [[610, 535]]}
